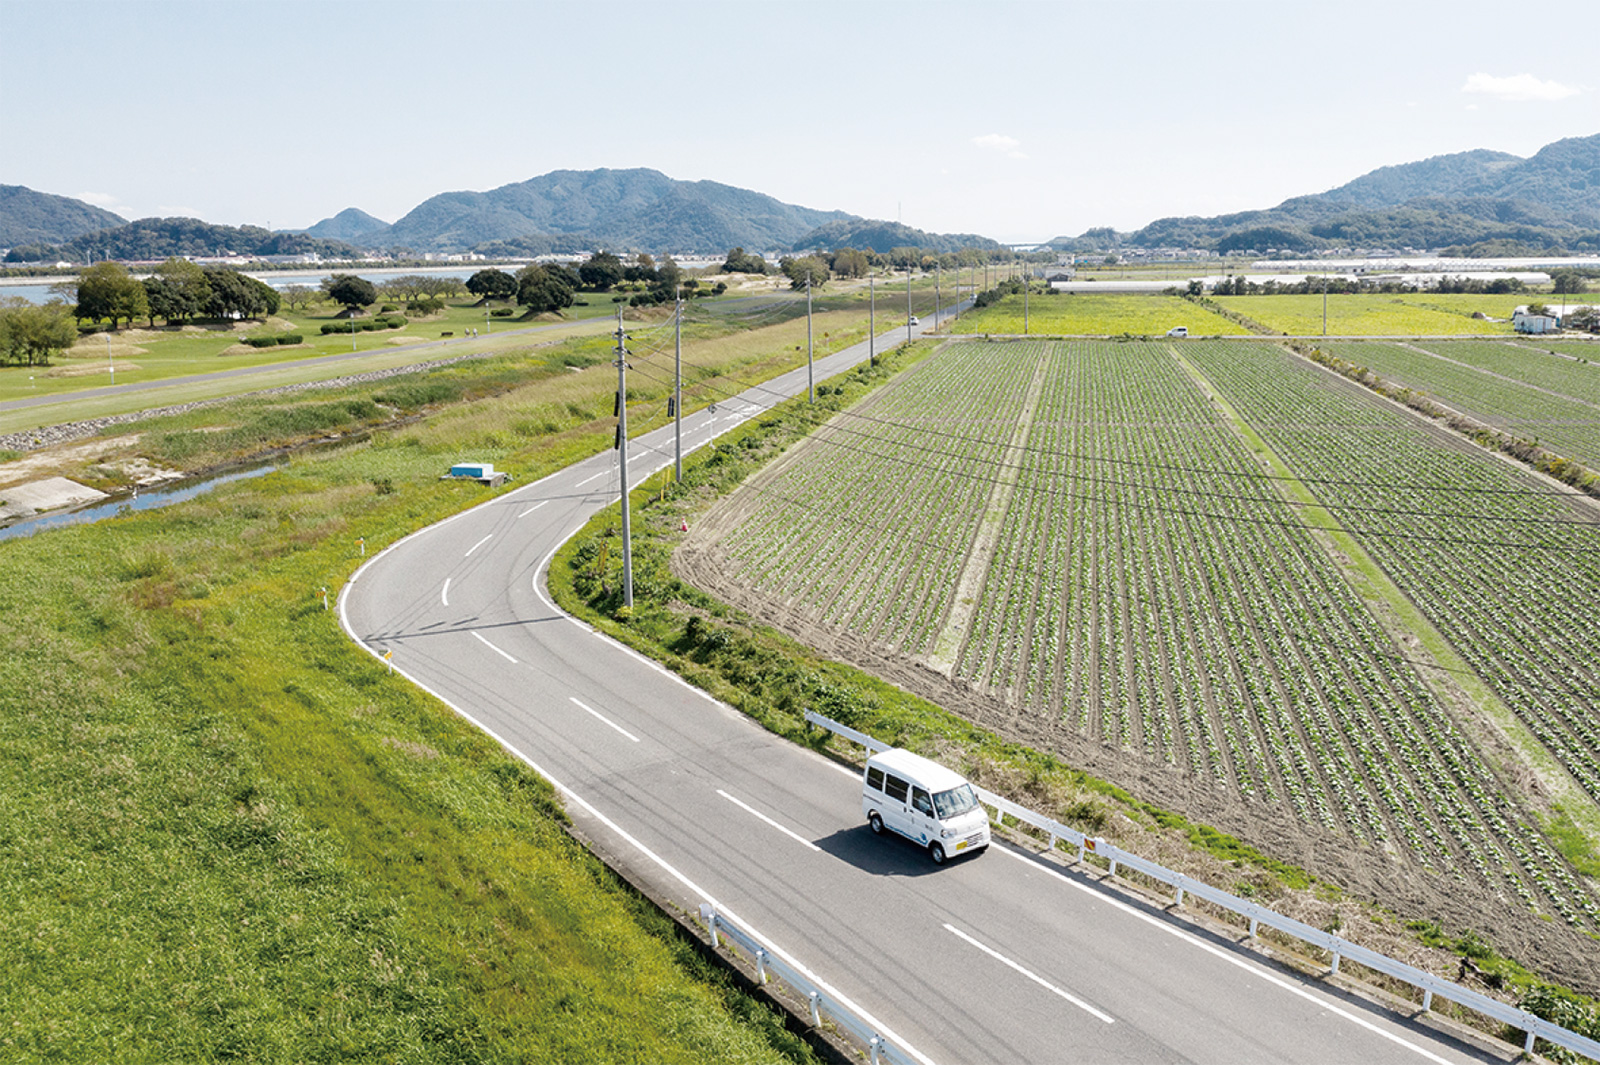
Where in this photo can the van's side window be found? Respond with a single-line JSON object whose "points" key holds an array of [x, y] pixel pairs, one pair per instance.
{"points": [[896, 788], [874, 778], [920, 800]]}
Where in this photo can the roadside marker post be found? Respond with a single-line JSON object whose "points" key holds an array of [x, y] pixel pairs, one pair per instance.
{"points": [[324, 597]]}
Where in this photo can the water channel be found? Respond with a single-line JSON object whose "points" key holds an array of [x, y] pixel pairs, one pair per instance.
{"points": [[139, 499]]}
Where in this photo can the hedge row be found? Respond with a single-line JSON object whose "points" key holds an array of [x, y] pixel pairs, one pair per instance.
{"points": [[393, 321], [277, 338]]}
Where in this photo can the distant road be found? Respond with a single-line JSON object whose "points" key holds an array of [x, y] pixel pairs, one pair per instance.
{"points": [[428, 349]]}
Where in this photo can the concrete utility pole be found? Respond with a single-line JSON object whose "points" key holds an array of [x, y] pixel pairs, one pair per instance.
{"points": [[1324, 304], [1025, 280], [908, 303], [622, 462], [872, 321], [938, 276], [811, 380], [677, 390]]}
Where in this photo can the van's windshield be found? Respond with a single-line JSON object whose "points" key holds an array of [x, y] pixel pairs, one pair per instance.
{"points": [[954, 802]]}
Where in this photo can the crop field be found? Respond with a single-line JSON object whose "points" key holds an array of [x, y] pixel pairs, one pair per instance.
{"points": [[1373, 314], [1093, 314], [1167, 550], [1526, 392]]}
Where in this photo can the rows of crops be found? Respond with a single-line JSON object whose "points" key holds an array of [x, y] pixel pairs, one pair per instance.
{"points": [[1375, 314], [1527, 393], [1508, 572], [1147, 587]]}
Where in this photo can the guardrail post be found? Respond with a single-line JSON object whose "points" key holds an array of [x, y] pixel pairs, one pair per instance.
{"points": [[1335, 970], [1252, 928], [1178, 883], [1527, 1044], [708, 914], [1427, 999], [1081, 843], [761, 966], [873, 1044], [816, 1014]]}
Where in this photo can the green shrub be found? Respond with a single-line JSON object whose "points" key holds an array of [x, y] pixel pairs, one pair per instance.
{"points": [[394, 321], [290, 338], [261, 342], [501, 312]]}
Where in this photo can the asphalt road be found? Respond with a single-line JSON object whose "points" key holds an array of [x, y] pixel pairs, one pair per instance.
{"points": [[999, 958]]}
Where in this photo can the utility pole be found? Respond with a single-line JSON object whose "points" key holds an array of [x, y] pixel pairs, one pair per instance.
{"points": [[908, 303], [677, 387], [1324, 304], [1025, 280], [811, 380], [872, 321], [938, 276], [622, 462]]}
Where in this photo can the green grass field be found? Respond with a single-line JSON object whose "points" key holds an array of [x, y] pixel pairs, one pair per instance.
{"points": [[228, 833], [1096, 314], [1378, 314]]}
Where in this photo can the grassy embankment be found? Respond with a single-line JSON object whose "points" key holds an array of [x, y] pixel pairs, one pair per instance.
{"points": [[774, 679], [229, 833], [1080, 313]]}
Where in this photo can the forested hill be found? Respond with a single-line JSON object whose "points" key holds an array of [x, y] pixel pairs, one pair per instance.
{"points": [[351, 224], [1471, 203], [884, 237], [158, 238], [29, 217], [624, 209]]}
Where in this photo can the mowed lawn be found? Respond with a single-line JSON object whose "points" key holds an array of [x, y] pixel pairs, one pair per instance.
{"points": [[1097, 315], [1380, 314]]}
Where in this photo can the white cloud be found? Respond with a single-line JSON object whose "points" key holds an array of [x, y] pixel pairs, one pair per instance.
{"points": [[1519, 87], [999, 142]]}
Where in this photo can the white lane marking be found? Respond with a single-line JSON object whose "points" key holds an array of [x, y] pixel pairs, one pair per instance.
{"points": [[665, 866], [444, 593], [596, 477], [1041, 981], [533, 508], [846, 770], [601, 717], [752, 810], [1231, 959], [477, 545], [495, 649]]}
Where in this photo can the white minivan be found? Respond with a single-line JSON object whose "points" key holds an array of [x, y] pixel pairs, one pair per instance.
{"points": [[925, 802]]}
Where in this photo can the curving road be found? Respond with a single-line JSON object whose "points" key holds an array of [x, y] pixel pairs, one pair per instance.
{"points": [[1000, 958]]}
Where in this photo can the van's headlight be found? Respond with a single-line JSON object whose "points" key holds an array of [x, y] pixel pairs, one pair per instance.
{"points": [[947, 832]]}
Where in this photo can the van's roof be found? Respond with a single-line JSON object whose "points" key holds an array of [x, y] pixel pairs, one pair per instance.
{"points": [[924, 771]]}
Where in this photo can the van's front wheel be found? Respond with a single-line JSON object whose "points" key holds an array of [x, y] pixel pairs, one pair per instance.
{"points": [[875, 823], [936, 852]]}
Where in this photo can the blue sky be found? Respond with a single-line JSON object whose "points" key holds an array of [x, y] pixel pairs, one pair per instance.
{"points": [[1017, 120]]}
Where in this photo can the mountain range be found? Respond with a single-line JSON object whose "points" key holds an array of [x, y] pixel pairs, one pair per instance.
{"points": [[1470, 203], [1476, 202]]}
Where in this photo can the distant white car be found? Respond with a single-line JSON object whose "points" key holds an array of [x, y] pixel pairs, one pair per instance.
{"points": [[915, 320], [1178, 331]]}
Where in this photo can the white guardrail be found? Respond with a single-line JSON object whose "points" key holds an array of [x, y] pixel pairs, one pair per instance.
{"points": [[880, 1049], [1430, 985]]}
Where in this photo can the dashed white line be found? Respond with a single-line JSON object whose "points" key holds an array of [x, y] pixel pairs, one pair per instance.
{"points": [[495, 649], [1231, 959], [752, 810], [533, 508], [1041, 981], [477, 545], [596, 477], [601, 717], [444, 593]]}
